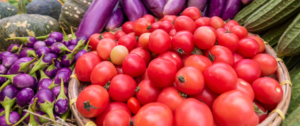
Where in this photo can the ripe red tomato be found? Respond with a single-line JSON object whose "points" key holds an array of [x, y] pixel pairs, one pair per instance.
{"points": [[159, 41], [171, 97], [260, 42], [161, 72], [85, 65], [248, 47], [110, 107], [140, 26], [146, 92], [106, 70], [220, 54], [122, 87], [172, 32], [267, 63], [92, 101], [191, 112], [229, 40], [184, 57], [173, 57], [144, 40], [231, 23], [134, 65], [120, 115], [240, 113], [145, 76], [184, 23], [247, 70], [192, 12], [245, 87], [269, 107], [104, 48], [154, 114], [240, 31], [145, 54], [202, 21], [220, 32], [170, 18], [166, 26], [182, 42], [133, 105], [206, 96], [267, 90], [129, 41], [237, 57], [189, 80], [127, 27], [107, 35], [154, 26], [119, 34], [150, 18], [220, 78], [260, 111], [119, 69], [204, 37], [216, 22], [94, 40]]}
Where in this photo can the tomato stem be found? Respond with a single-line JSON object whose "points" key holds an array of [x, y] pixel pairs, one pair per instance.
{"points": [[257, 110], [137, 38], [107, 85], [180, 51], [211, 56], [137, 89], [100, 37], [149, 27], [181, 79], [131, 123], [183, 94], [88, 106]]}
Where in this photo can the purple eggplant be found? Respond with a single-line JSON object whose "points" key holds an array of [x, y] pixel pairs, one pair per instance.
{"points": [[13, 118], [71, 47], [58, 64], [245, 2], [13, 48], [231, 8], [45, 102], [66, 39], [115, 20], [74, 39], [200, 4], [26, 41], [42, 51], [173, 7], [216, 7], [49, 41], [23, 65], [57, 36], [155, 6], [83, 38], [21, 80], [205, 11], [8, 61], [51, 70], [61, 105], [64, 73], [4, 54], [3, 69], [24, 96], [7, 100], [39, 44], [95, 17], [2, 80], [29, 118], [43, 62], [59, 48], [133, 9], [68, 60], [83, 51], [56, 90], [44, 81], [26, 120], [28, 52]]}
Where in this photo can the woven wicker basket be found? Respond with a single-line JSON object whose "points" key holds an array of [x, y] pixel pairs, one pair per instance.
{"points": [[274, 119]]}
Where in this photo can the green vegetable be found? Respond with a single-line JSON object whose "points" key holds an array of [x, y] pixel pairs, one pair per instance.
{"points": [[7, 10], [295, 97], [293, 119], [290, 62], [42, 7]]}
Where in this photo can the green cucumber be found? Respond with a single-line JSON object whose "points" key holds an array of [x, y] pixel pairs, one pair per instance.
{"points": [[248, 10], [289, 44], [293, 119], [271, 14]]}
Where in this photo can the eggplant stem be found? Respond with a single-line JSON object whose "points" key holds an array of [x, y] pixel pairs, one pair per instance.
{"points": [[7, 104], [5, 84]]}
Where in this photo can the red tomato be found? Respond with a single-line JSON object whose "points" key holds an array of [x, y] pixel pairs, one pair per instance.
{"points": [[161, 72], [129, 41], [145, 54], [106, 70], [206, 96], [159, 41], [144, 40], [94, 40], [267, 63], [154, 114], [173, 57], [171, 97], [85, 65], [247, 70], [182, 42], [220, 32], [119, 34], [172, 33], [267, 90], [184, 23], [260, 42], [144, 76], [245, 87], [120, 115], [202, 21], [133, 105], [166, 26], [154, 26], [134, 65], [248, 47], [192, 12], [240, 31], [237, 57], [220, 78], [92, 101], [220, 54], [189, 80], [269, 107], [231, 23], [216, 22], [170, 18], [122, 87], [204, 37], [110, 107], [229, 40], [140, 26], [191, 112], [104, 48], [107, 35], [146, 92], [260, 112], [127, 27], [198, 61], [184, 57], [150, 18], [119, 69], [240, 113]]}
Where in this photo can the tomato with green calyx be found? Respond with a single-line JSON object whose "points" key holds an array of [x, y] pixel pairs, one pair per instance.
{"points": [[189, 80], [146, 92], [182, 42]]}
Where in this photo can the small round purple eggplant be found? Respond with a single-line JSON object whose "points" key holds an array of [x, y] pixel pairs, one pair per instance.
{"points": [[43, 50], [8, 61], [45, 102], [80, 53], [13, 48], [21, 80], [56, 90], [2, 80], [13, 118], [38, 45], [51, 70], [49, 41], [116, 19], [58, 64], [23, 65], [68, 60], [26, 41], [24, 96], [43, 62], [4, 54], [57, 36], [66, 40], [74, 39], [59, 48], [71, 47], [29, 118], [66, 43], [61, 105], [28, 52], [83, 38], [3, 69], [64, 73], [44, 81], [8, 99]]}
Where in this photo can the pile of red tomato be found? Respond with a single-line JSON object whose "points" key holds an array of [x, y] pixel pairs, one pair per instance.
{"points": [[184, 71]]}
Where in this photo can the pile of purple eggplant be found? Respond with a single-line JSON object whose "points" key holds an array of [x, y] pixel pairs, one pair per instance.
{"points": [[38, 70]]}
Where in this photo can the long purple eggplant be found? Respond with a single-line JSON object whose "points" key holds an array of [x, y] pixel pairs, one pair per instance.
{"points": [[173, 7], [155, 6], [216, 7], [200, 4], [205, 11], [115, 20], [232, 7], [95, 17], [134, 9], [8, 99]]}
